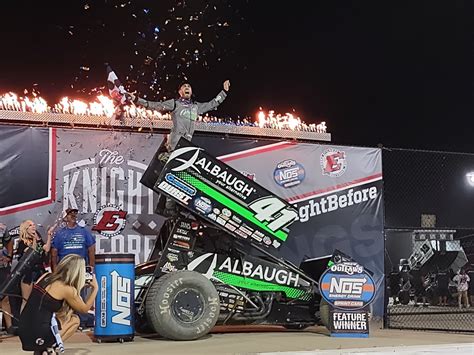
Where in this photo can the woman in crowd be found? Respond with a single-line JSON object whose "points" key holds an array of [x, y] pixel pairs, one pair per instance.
{"points": [[55, 293], [462, 282], [30, 238]]}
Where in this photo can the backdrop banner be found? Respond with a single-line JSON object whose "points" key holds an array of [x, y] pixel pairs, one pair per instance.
{"points": [[337, 190]]}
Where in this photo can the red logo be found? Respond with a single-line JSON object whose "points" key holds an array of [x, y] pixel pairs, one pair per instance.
{"points": [[109, 220], [333, 162]]}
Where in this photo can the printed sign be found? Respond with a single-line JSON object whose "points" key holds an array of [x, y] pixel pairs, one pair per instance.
{"points": [[225, 197], [349, 324], [347, 286]]}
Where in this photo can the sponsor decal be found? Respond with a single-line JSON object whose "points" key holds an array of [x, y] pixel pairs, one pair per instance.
{"points": [[226, 212], [174, 191], [267, 240], [197, 163], [180, 184], [181, 237], [251, 176], [172, 257], [121, 298], [168, 267], [246, 268], [181, 244], [276, 244], [333, 162], [289, 173], [109, 221], [203, 204], [347, 286]]}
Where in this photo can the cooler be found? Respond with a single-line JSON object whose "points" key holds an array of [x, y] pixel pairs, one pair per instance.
{"points": [[114, 304]]}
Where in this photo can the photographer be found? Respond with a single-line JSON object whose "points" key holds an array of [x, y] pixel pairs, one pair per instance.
{"points": [[6, 252], [55, 293]]}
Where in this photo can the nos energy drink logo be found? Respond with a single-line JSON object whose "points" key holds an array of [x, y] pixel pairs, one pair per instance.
{"points": [[347, 286], [289, 173]]}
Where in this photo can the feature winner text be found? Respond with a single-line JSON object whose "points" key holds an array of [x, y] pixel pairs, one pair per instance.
{"points": [[349, 321], [334, 202]]}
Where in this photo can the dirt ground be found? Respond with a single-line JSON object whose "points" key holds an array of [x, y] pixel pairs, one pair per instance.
{"points": [[251, 340]]}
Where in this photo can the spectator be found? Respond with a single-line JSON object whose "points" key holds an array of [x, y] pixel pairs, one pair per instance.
{"points": [[73, 239], [6, 255], [30, 238], [470, 274], [394, 279], [55, 293], [462, 281], [443, 287]]}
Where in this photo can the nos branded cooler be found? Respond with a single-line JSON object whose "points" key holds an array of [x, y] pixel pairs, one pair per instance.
{"points": [[114, 303]]}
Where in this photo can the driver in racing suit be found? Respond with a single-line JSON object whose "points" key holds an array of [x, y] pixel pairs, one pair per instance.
{"points": [[184, 113]]}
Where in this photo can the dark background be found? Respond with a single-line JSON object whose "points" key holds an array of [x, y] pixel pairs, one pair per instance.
{"points": [[396, 73]]}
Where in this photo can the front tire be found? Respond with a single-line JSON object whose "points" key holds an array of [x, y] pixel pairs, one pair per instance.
{"points": [[182, 305]]}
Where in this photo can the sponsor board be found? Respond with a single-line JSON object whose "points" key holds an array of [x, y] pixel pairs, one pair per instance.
{"points": [[349, 289], [347, 286], [333, 162], [222, 193]]}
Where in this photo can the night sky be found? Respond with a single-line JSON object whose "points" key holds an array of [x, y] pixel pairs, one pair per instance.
{"points": [[393, 73]]}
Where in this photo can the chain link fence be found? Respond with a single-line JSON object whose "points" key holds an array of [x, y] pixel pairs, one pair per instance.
{"points": [[433, 192]]}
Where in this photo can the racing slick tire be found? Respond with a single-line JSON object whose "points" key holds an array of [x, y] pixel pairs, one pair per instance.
{"points": [[182, 305], [324, 312]]}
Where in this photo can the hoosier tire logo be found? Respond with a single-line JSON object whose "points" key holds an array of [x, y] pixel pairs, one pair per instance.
{"points": [[109, 220]]}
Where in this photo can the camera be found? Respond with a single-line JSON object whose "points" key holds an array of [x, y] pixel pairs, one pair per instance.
{"points": [[89, 274]]}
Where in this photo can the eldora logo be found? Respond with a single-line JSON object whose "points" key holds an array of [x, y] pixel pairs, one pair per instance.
{"points": [[333, 162], [109, 220], [347, 286]]}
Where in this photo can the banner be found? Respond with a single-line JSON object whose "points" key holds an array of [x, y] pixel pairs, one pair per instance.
{"points": [[336, 190]]}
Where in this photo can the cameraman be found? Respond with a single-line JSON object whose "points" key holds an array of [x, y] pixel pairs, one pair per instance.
{"points": [[6, 255]]}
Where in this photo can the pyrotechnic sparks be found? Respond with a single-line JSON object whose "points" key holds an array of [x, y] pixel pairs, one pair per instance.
{"points": [[104, 106]]}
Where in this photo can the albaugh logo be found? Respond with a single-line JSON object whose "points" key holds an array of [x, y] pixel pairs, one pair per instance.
{"points": [[333, 162], [109, 221], [223, 176]]}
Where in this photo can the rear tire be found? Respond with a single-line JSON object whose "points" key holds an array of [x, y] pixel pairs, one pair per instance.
{"points": [[324, 311], [182, 305]]}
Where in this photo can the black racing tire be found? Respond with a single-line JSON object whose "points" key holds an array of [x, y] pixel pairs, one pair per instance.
{"points": [[324, 312], [182, 305]]}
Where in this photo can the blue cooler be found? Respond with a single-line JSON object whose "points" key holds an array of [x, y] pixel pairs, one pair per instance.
{"points": [[114, 305]]}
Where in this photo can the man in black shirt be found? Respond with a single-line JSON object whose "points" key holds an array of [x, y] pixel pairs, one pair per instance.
{"points": [[6, 254], [443, 283]]}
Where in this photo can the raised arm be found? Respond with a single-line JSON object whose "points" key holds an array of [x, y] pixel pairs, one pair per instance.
{"points": [[204, 107], [167, 105], [75, 301]]}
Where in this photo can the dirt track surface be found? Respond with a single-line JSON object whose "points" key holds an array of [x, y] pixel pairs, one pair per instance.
{"points": [[250, 340]]}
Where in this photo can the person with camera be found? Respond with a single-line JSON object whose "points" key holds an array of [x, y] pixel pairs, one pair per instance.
{"points": [[6, 256], [55, 296]]}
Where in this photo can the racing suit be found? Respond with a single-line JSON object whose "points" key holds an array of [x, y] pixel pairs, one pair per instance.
{"points": [[184, 113]]}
